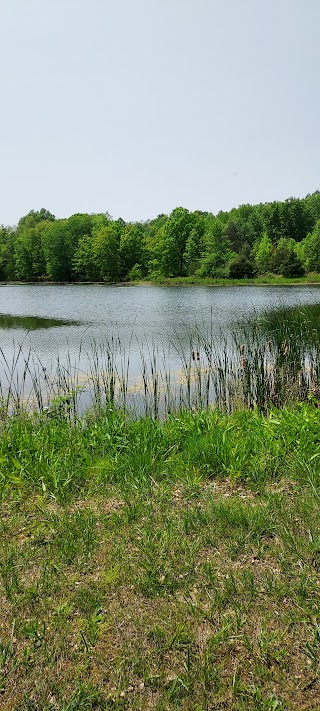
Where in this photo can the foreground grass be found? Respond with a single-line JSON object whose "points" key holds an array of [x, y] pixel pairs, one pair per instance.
{"points": [[148, 565]]}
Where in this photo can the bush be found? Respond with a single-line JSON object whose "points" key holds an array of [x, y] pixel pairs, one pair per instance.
{"points": [[135, 274], [292, 267], [285, 260], [241, 268]]}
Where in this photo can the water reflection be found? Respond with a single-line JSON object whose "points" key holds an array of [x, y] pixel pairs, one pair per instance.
{"points": [[32, 323]]}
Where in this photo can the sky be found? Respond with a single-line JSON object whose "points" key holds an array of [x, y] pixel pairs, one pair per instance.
{"points": [[135, 107]]}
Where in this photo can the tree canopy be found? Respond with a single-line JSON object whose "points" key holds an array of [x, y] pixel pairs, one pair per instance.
{"points": [[278, 237]]}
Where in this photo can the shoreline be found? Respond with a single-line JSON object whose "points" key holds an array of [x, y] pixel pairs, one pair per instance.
{"points": [[180, 281]]}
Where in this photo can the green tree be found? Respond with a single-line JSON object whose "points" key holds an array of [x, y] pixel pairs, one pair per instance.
{"points": [[23, 255], [309, 250], [262, 254], [94, 246], [249, 224], [217, 255], [312, 203], [33, 218], [175, 235], [60, 243], [84, 263], [131, 249], [7, 263], [272, 221], [294, 219], [285, 260], [195, 242], [192, 252], [29, 255], [58, 252], [106, 248], [233, 234]]}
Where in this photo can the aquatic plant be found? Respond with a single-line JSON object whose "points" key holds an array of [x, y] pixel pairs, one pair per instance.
{"points": [[269, 360]]}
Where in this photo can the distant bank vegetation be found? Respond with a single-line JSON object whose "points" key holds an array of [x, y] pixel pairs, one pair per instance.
{"points": [[281, 238]]}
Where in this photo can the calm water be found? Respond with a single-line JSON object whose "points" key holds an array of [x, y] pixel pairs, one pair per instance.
{"points": [[56, 319], [59, 320]]}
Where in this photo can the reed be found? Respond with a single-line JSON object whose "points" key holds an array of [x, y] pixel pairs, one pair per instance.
{"points": [[270, 360]]}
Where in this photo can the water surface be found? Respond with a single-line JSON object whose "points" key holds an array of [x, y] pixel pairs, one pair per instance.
{"points": [[80, 313], [62, 321]]}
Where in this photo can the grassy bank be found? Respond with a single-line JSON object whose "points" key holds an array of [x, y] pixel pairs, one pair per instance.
{"points": [[272, 279], [160, 565]]}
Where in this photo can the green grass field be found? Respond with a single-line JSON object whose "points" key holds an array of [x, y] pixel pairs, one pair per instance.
{"points": [[149, 565]]}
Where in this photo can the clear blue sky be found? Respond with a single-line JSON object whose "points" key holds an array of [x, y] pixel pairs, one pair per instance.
{"points": [[137, 106]]}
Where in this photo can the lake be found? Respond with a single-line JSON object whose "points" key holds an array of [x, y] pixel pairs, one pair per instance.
{"points": [[62, 321]]}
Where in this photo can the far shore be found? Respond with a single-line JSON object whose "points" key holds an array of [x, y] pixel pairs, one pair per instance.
{"points": [[312, 279]]}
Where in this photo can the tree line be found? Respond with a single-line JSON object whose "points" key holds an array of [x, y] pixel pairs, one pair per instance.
{"points": [[277, 237]]}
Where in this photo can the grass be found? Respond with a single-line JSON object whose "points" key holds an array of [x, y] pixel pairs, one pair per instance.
{"points": [[170, 564], [269, 278], [273, 279]]}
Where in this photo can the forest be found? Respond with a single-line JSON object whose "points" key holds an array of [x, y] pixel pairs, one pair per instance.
{"points": [[269, 238]]}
